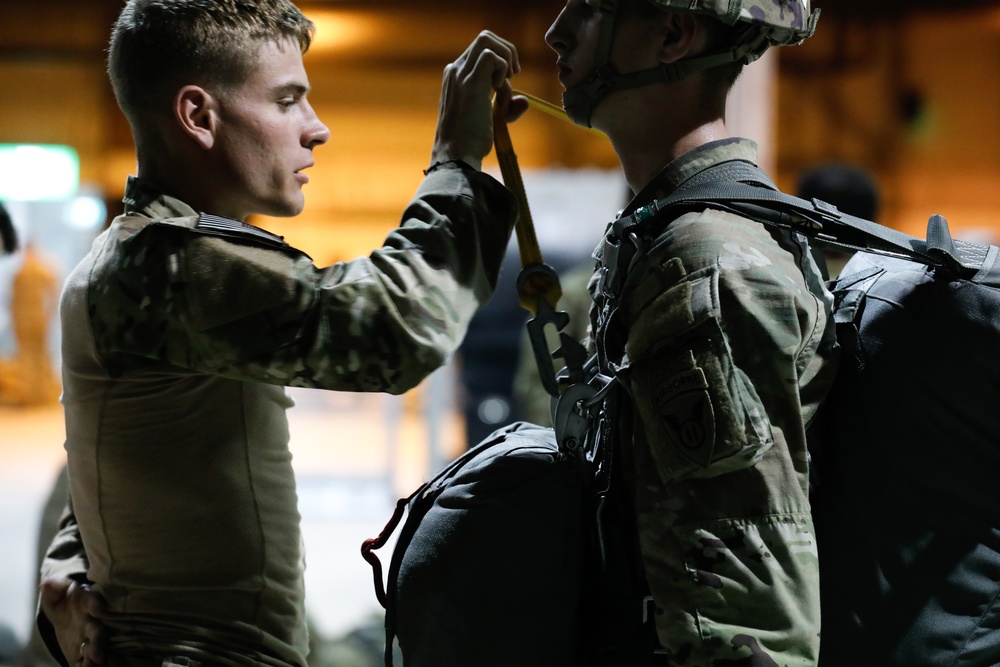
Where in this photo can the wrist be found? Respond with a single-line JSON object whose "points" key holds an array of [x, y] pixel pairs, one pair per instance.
{"points": [[453, 163]]}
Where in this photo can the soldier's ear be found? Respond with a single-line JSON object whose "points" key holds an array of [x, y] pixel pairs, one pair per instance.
{"points": [[197, 112], [680, 33]]}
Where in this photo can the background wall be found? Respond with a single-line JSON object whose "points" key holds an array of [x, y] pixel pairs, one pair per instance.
{"points": [[911, 95]]}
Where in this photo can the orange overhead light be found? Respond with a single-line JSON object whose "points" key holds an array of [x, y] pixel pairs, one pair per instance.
{"points": [[341, 31]]}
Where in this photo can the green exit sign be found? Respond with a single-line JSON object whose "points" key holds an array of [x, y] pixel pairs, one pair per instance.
{"points": [[38, 172]]}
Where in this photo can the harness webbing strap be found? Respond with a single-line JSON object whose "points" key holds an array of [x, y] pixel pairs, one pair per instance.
{"points": [[742, 188], [538, 285]]}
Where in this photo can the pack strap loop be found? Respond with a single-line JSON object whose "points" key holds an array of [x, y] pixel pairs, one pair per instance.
{"points": [[369, 545]]}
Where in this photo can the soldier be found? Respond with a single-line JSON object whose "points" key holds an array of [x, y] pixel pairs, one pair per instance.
{"points": [[852, 190], [184, 324], [721, 334], [8, 235], [34, 298]]}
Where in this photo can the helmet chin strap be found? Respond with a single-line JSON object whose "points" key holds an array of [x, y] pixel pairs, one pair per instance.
{"points": [[580, 100]]}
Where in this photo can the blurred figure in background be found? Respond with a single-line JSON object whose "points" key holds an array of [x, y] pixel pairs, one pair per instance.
{"points": [[34, 301], [29, 378], [852, 190], [8, 244], [8, 235], [488, 357]]}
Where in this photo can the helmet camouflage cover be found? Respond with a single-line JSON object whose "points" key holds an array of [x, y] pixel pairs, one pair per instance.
{"points": [[767, 23], [779, 21]]}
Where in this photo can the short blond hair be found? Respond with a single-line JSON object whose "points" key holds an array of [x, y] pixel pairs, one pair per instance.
{"points": [[159, 46]]}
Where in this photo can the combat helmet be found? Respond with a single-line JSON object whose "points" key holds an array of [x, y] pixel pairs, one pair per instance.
{"points": [[766, 23]]}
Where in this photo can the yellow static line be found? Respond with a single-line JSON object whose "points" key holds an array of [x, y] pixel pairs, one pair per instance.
{"points": [[539, 285], [553, 110]]}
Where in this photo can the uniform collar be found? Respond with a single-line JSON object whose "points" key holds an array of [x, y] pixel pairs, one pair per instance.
{"points": [[695, 161], [145, 198]]}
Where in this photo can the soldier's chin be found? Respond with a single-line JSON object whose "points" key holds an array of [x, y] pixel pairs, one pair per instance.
{"points": [[287, 209]]}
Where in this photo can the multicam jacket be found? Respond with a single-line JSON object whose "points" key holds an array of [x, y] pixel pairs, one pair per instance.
{"points": [[726, 347], [180, 332]]}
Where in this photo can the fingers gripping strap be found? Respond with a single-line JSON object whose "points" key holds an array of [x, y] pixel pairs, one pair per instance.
{"points": [[543, 284]]}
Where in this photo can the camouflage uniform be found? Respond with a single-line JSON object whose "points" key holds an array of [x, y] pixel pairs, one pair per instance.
{"points": [[181, 331], [728, 349]]}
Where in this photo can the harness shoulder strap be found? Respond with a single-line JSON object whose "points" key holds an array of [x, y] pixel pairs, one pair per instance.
{"points": [[744, 189]]}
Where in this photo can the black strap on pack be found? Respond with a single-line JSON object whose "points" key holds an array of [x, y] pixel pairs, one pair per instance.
{"points": [[744, 189]]}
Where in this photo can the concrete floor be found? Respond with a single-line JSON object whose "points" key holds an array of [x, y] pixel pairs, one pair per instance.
{"points": [[354, 455]]}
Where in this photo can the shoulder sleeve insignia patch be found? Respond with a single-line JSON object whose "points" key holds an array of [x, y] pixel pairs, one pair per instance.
{"points": [[687, 416]]}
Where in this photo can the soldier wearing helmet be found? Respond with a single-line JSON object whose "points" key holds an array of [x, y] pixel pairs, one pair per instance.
{"points": [[719, 331]]}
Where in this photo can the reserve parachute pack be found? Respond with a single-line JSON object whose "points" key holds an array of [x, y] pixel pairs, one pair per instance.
{"points": [[499, 563], [906, 449]]}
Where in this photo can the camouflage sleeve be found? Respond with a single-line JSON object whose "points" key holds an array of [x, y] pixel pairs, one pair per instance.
{"points": [[65, 558], [250, 311], [723, 327], [698, 406]]}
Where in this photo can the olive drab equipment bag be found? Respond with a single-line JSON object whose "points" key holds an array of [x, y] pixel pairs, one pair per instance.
{"points": [[906, 449]]}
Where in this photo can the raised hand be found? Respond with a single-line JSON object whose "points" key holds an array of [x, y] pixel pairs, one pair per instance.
{"points": [[465, 121]]}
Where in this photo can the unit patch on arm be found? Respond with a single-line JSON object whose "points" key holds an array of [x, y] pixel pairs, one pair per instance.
{"points": [[686, 414]]}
